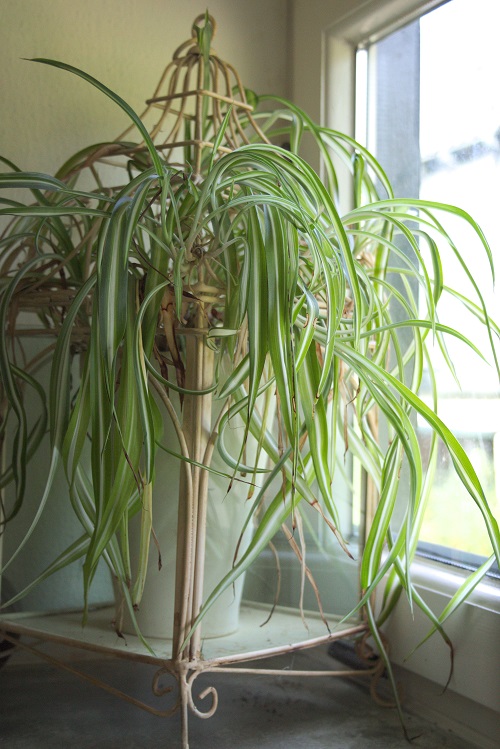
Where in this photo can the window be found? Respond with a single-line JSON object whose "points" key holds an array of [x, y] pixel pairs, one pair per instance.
{"points": [[473, 629], [426, 105]]}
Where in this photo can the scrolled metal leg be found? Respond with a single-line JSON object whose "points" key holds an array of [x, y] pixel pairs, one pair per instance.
{"points": [[161, 691], [203, 695]]}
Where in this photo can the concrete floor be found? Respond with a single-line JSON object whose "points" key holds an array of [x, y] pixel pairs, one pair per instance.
{"points": [[42, 707]]}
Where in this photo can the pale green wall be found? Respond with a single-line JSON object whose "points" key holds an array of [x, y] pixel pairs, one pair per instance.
{"points": [[47, 114]]}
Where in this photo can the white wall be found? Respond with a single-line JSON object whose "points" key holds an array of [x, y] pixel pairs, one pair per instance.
{"points": [[47, 114]]}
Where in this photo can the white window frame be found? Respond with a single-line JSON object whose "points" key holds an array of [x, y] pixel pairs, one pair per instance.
{"points": [[324, 49]]}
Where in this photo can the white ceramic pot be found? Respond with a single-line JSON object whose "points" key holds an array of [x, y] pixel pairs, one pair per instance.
{"points": [[226, 513]]}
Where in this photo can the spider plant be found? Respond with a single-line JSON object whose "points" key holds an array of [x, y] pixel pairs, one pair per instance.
{"points": [[243, 260]]}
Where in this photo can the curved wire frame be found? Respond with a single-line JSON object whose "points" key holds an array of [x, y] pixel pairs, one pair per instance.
{"points": [[198, 111], [197, 91]]}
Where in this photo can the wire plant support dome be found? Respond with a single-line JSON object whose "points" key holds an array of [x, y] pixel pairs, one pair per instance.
{"points": [[198, 112], [199, 109], [201, 92]]}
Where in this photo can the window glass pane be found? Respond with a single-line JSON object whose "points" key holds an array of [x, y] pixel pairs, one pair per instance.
{"points": [[434, 122]]}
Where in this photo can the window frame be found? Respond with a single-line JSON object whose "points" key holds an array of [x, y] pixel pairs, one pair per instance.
{"points": [[324, 49], [378, 85], [341, 40]]}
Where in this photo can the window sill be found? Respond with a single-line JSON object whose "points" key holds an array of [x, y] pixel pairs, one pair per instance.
{"points": [[473, 630], [444, 579]]}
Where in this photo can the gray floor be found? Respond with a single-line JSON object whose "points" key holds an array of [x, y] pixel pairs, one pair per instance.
{"points": [[42, 706]]}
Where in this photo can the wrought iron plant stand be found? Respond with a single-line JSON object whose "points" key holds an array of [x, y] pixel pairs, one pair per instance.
{"points": [[190, 92]]}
